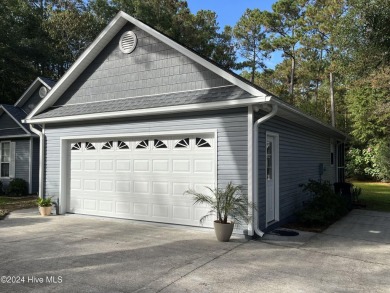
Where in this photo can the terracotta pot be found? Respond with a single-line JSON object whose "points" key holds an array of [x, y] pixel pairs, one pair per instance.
{"points": [[45, 211], [223, 231]]}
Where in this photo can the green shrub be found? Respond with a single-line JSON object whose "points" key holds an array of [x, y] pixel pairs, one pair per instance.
{"points": [[17, 187], [356, 191], [326, 206], [1, 188], [44, 202], [371, 163]]}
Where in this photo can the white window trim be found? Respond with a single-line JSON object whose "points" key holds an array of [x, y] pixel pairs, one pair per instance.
{"points": [[10, 158], [65, 154], [277, 171]]}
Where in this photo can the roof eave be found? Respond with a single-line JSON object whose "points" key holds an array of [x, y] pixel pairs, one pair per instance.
{"points": [[311, 121], [151, 111], [16, 120]]}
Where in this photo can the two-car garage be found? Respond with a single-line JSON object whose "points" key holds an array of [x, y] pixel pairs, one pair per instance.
{"points": [[142, 178]]}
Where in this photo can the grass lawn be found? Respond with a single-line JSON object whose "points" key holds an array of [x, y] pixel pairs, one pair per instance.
{"points": [[375, 195], [9, 204]]}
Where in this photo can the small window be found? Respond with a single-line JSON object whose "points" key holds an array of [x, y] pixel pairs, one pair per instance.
{"points": [[122, 145], [76, 146], [202, 143], [158, 144], [89, 146], [143, 144], [5, 159], [184, 143], [108, 145]]}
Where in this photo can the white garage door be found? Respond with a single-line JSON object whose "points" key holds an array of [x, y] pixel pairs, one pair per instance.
{"points": [[142, 178]]}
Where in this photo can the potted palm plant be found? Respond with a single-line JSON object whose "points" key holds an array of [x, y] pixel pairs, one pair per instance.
{"points": [[229, 205], [45, 206]]}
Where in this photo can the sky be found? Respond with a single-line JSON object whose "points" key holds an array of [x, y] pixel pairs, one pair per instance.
{"points": [[230, 11]]}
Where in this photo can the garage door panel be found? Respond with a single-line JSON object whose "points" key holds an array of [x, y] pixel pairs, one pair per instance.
{"points": [[144, 184]]}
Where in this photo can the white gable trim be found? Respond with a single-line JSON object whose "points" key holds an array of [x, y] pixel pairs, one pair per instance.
{"points": [[105, 37], [13, 118], [31, 89]]}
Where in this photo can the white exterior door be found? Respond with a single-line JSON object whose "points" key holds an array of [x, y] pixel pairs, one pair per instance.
{"points": [[272, 179], [142, 178]]}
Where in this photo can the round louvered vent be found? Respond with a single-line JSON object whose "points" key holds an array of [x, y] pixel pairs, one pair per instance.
{"points": [[128, 42], [42, 92]]}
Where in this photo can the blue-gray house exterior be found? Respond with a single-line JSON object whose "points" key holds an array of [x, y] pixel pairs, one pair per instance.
{"points": [[19, 146], [111, 104]]}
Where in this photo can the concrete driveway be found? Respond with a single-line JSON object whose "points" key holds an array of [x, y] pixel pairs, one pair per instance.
{"points": [[86, 254]]}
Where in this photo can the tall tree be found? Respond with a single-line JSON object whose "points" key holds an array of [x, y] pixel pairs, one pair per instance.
{"points": [[18, 33], [322, 19], [250, 33], [285, 24]]}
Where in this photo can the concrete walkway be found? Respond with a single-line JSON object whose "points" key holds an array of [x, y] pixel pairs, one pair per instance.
{"points": [[87, 254]]}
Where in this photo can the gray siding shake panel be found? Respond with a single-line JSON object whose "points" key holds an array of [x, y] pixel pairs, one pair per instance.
{"points": [[32, 102], [230, 124], [153, 68], [300, 152]]}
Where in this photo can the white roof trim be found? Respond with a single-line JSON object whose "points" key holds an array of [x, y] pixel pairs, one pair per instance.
{"points": [[31, 89], [298, 112], [17, 136], [13, 118], [151, 111], [104, 38]]}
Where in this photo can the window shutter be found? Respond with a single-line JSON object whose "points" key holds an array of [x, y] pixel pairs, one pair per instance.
{"points": [[13, 159]]}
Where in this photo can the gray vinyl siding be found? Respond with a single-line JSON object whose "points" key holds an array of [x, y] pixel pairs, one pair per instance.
{"points": [[35, 166], [232, 140], [22, 159], [152, 68], [32, 102], [7, 122], [300, 152]]}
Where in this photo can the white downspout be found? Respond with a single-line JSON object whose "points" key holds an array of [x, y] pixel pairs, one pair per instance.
{"points": [[256, 166], [41, 157]]}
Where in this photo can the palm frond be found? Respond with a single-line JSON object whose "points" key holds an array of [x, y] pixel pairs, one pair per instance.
{"points": [[228, 203]]}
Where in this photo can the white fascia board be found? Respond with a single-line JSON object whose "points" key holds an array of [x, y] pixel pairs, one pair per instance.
{"points": [[13, 118], [44, 83], [81, 64], [17, 136], [314, 122], [105, 37], [33, 87], [152, 111]]}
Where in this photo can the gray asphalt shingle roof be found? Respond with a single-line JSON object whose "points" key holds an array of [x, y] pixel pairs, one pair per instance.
{"points": [[12, 132], [163, 100], [19, 115]]}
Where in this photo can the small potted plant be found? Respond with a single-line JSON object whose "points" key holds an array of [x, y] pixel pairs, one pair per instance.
{"points": [[45, 205], [229, 205]]}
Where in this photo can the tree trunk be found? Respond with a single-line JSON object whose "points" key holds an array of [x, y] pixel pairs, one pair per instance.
{"points": [[291, 89], [253, 66], [332, 106]]}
